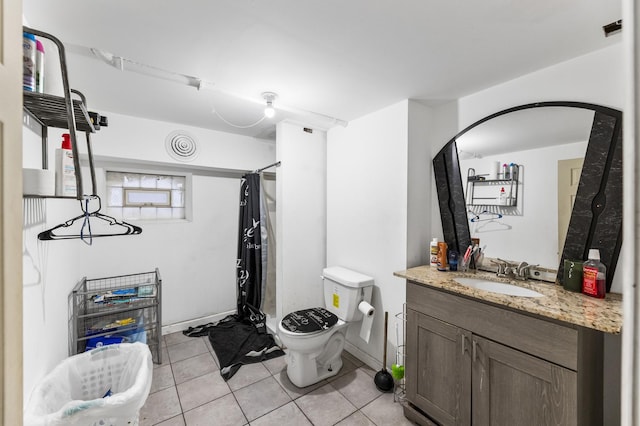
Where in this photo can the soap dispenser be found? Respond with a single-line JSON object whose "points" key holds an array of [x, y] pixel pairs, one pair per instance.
{"points": [[65, 169]]}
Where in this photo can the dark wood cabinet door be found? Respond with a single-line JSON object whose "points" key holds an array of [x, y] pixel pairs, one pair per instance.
{"points": [[514, 388], [438, 369]]}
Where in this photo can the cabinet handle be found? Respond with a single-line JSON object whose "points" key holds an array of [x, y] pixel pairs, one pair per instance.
{"points": [[475, 351], [464, 339]]}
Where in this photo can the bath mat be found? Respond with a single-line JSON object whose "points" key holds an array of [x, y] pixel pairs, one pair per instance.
{"points": [[237, 343]]}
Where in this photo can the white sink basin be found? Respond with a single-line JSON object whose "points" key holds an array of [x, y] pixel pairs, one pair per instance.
{"points": [[502, 288]]}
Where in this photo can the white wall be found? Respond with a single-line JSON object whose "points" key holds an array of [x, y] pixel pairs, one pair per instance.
{"points": [[301, 218], [419, 171], [596, 78], [196, 258], [369, 190]]}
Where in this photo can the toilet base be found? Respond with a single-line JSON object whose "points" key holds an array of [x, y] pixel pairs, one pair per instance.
{"points": [[305, 369]]}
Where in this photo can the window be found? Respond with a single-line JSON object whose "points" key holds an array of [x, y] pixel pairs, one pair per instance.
{"points": [[146, 196]]}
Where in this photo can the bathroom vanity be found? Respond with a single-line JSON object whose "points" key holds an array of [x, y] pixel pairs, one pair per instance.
{"points": [[485, 358]]}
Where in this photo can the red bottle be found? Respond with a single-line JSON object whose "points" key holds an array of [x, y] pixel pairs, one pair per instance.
{"points": [[594, 275]]}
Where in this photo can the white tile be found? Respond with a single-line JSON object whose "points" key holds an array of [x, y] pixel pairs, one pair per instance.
{"points": [[275, 365], [201, 390], [162, 378], [260, 398], [223, 411], [160, 406], [174, 421], [325, 406], [175, 338], [384, 411], [248, 374], [356, 419], [357, 386], [196, 366], [288, 414], [186, 350]]}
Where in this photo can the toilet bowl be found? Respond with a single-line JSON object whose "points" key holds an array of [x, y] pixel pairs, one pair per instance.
{"points": [[315, 337]]}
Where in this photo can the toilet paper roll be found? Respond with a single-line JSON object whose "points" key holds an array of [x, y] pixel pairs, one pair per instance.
{"points": [[494, 169], [38, 182], [367, 322]]}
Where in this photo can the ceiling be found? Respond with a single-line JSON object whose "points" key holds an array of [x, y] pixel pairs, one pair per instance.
{"points": [[327, 60], [525, 130]]}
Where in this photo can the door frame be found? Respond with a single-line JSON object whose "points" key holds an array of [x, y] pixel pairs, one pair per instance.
{"points": [[11, 394]]}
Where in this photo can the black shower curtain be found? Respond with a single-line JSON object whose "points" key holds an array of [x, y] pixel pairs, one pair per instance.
{"points": [[249, 262]]}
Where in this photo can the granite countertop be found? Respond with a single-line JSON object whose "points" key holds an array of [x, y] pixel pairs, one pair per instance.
{"points": [[575, 308]]}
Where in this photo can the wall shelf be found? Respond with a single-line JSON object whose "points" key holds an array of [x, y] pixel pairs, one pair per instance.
{"points": [[485, 192], [51, 111], [64, 113]]}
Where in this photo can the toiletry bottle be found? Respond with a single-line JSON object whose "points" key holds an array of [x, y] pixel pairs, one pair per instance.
{"points": [[502, 197], [442, 256], [433, 252], [39, 67], [513, 167], [505, 171], [65, 169], [28, 62], [453, 260], [594, 275]]}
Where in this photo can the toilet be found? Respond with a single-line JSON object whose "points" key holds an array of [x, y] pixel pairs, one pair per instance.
{"points": [[315, 337]]}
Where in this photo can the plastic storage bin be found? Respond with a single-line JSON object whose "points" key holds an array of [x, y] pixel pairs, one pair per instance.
{"points": [[105, 386]]}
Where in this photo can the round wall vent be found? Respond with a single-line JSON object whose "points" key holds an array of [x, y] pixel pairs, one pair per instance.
{"points": [[181, 146]]}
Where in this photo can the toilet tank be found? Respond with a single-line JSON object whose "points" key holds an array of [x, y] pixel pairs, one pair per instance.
{"points": [[344, 289]]}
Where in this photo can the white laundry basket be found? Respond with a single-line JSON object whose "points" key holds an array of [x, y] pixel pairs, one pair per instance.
{"points": [[105, 386]]}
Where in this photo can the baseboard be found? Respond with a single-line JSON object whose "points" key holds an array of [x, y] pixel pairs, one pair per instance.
{"points": [[363, 356], [179, 326]]}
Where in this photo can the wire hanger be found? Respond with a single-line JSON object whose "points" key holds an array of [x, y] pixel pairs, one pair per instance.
{"points": [[86, 234], [492, 216]]}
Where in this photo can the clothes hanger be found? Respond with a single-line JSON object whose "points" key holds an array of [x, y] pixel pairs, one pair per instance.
{"points": [[493, 216], [86, 235]]}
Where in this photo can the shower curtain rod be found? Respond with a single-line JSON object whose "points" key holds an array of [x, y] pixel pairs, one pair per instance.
{"points": [[276, 164]]}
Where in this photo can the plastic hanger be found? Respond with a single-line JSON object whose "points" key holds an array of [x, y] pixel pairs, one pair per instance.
{"points": [[86, 234]]}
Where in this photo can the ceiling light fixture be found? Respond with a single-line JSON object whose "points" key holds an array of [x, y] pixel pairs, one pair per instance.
{"points": [[269, 110]]}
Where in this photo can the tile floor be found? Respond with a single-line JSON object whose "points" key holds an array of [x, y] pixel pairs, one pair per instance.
{"points": [[187, 389]]}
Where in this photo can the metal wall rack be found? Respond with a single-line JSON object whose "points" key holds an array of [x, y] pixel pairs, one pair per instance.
{"points": [[484, 197], [65, 113]]}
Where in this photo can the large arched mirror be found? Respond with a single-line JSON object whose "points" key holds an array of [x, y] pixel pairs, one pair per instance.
{"points": [[559, 195]]}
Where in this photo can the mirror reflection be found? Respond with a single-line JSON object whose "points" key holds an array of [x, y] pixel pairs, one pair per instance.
{"points": [[520, 173]]}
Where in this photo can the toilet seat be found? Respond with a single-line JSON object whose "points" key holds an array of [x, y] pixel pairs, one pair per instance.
{"points": [[308, 321]]}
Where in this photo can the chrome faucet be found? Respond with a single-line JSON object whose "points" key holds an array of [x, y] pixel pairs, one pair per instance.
{"points": [[505, 269], [523, 271]]}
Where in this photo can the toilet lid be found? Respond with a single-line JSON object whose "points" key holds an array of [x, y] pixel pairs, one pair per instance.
{"points": [[309, 320]]}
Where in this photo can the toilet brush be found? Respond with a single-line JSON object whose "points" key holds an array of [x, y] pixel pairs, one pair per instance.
{"points": [[383, 379]]}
